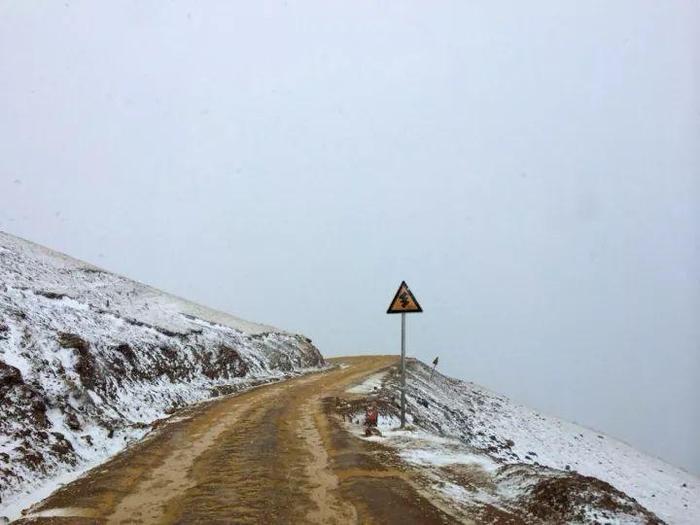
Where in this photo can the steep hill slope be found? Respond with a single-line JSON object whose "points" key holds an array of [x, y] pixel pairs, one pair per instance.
{"points": [[486, 456], [89, 360]]}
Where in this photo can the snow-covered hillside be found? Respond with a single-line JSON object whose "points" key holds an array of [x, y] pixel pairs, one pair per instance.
{"points": [[89, 359], [486, 455]]}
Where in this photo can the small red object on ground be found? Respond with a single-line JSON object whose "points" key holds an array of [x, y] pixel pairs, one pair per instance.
{"points": [[371, 416]]}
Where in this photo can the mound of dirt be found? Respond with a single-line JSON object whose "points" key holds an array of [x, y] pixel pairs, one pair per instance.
{"points": [[571, 497]]}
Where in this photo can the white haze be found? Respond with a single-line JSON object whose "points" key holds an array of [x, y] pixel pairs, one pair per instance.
{"points": [[532, 169]]}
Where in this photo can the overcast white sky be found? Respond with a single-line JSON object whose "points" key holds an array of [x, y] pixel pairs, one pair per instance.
{"points": [[532, 169]]}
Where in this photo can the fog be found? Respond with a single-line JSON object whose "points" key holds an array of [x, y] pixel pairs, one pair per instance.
{"points": [[531, 169]]}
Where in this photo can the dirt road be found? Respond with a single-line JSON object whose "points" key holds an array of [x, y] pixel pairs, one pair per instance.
{"points": [[274, 454]]}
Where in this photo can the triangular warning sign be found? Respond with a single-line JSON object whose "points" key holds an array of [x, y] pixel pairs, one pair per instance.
{"points": [[404, 302]]}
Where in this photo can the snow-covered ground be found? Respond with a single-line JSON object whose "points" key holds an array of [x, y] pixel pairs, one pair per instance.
{"points": [[369, 385], [89, 359], [508, 449]]}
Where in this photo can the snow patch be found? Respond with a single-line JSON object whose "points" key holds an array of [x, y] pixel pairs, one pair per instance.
{"points": [[369, 385]]}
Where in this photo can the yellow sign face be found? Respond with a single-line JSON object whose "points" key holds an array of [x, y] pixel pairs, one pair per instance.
{"points": [[404, 302]]}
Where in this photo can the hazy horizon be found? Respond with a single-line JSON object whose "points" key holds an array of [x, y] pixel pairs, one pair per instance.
{"points": [[532, 171]]}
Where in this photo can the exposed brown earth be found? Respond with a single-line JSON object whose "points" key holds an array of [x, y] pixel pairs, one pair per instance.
{"points": [[275, 454]]}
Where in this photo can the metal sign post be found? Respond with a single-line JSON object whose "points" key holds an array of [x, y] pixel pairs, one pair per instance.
{"points": [[403, 369], [403, 303], [435, 363]]}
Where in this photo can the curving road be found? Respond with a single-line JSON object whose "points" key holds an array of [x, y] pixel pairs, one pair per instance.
{"points": [[275, 454]]}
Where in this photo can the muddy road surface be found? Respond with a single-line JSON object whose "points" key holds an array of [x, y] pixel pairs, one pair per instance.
{"points": [[275, 454]]}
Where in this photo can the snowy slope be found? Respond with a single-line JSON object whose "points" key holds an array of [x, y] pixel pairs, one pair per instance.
{"points": [[88, 359], [522, 462]]}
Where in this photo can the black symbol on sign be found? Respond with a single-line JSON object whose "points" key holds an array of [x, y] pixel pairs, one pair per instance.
{"points": [[404, 299]]}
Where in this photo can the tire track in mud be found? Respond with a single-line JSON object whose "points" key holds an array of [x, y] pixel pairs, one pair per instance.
{"points": [[329, 507]]}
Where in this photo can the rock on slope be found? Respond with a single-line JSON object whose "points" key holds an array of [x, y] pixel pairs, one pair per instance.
{"points": [[89, 359], [485, 455]]}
